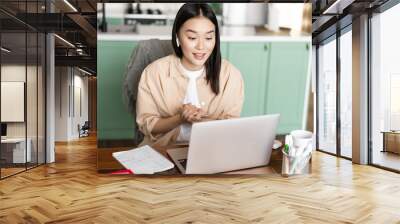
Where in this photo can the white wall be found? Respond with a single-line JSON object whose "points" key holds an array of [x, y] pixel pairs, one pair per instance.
{"points": [[12, 101], [70, 83], [80, 84], [12, 73], [33, 126], [62, 80]]}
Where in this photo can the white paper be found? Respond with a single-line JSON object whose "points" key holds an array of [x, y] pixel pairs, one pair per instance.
{"points": [[143, 160]]}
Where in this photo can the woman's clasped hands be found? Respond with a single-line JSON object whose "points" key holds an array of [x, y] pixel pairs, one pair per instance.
{"points": [[191, 113]]}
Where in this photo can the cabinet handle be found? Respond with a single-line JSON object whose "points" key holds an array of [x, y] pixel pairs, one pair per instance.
{"points": [[265, 47], [307, 47]]}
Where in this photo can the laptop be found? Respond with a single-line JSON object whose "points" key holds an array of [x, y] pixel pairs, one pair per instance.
{"points": [[227, 145]]}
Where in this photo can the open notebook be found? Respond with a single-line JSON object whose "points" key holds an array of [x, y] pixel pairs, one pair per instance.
{"points": [[143, 160]]}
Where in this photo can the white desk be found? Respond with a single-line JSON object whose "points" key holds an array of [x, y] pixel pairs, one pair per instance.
{"points": [[18, 149]]}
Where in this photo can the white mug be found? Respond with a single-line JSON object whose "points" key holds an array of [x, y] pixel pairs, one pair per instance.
{"points": [[301, 138]]}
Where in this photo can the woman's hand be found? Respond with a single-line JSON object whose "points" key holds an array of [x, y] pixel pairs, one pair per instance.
{"points": [[189, 113], [192, 114]]}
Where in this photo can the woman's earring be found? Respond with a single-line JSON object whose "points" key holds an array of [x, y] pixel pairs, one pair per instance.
{"points": [[177, 42]]}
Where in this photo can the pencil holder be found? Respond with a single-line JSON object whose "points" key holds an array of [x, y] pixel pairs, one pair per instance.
{"points": [[293, 165]]}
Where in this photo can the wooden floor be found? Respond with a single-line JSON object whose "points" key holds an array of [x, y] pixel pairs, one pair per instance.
{"points": [[71, 191], [386, 159], [10, 171]]}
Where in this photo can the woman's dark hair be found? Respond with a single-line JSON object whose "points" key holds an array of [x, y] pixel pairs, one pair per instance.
{"points": [[213, 63]]}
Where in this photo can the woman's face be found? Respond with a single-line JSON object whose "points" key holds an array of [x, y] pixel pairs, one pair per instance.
{"points": [[197, 40]]}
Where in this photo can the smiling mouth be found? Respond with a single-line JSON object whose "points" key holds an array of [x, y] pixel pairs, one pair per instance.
{"points": [[199, 56]]}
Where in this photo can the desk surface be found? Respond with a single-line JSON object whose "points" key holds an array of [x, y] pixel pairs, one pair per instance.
{"points": [[106, 163], [390, 132]]}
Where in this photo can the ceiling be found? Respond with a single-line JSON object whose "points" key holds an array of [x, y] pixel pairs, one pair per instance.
{"points": [[72, 20], [329, 16]]}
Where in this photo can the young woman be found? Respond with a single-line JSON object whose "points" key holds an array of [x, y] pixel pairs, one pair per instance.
{"points": [[192, 85]]}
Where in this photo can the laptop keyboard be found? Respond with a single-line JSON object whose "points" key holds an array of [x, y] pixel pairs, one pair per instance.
{"points": [[183, 162]]}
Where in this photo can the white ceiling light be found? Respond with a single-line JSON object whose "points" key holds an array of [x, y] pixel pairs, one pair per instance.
{"points": [[79, 51], [337, 7], [65, 41], [70, 5], [86, 72], [5, 50]]}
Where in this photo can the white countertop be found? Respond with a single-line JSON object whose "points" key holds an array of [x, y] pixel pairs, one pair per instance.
{"points": [[228, 34]]}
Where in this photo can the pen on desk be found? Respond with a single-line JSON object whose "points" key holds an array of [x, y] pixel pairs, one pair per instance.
{"points": [[286, 149]]}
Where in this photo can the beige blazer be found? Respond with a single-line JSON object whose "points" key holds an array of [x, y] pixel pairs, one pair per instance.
{"points": [[162, 88]]}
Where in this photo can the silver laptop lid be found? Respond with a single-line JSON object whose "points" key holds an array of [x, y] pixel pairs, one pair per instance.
{"points": [[225, 145]]}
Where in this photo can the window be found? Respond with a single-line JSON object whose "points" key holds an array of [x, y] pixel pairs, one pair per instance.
{"points": [[394, 102], [385, 89], [22, 77], [346, 93], [327, 97]]}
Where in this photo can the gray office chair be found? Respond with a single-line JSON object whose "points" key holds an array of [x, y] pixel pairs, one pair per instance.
{"points": [[84, 129], [146, 52]]}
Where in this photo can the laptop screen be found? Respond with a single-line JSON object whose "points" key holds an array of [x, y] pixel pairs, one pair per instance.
{"points": [[3, 129]]}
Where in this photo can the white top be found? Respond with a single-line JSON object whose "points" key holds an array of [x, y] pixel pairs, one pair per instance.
{"points": [[190, 97]]}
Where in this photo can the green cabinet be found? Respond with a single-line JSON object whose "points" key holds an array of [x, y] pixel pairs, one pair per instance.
{"points": [[287, 82], [276, 76], [113, 120], [224, 50], [252, 61], [111, 21]]}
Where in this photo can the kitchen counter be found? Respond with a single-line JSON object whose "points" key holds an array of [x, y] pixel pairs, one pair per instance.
{"points": [[228, 34]]}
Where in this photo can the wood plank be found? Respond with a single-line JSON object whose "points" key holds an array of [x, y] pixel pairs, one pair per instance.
{"points": [[72, 191]]}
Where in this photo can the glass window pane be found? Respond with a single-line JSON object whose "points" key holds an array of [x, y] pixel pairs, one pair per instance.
{"points": [[31, 97], [386, 89], [327, 97], [346, 94], [32, 84], [23, 87], [41, 98], [13, 86]]}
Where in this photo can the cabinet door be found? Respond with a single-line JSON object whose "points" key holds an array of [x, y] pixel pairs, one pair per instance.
{"points": [[252, 61], [224, 50], [287, 82], [113, 120]]}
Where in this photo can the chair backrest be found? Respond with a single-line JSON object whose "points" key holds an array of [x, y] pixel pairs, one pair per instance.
{"points": [[86, 125], [145, 53]]}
